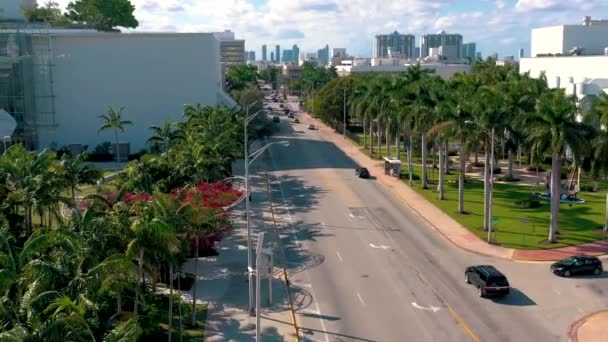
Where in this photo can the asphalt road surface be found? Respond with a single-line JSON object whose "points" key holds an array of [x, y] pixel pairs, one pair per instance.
{"points": [[364, 267]]}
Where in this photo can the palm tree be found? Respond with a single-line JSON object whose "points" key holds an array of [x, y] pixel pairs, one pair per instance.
{"points": [[598, 117], [112, 119], [77, 171], [553, 128], [162, 134]]}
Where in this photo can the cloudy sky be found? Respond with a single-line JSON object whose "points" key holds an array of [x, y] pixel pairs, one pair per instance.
{"points": [[501, 26]]}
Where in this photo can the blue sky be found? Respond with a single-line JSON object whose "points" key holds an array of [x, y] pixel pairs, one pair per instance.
{"points": [[501, 26]]}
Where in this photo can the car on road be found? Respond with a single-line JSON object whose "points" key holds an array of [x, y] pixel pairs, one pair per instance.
{"points": [[311, 127], [577, 264], [281, 105], [362, 172], [286, 110], [268, 108], [488, 281], [290, 115], [276, 119]]}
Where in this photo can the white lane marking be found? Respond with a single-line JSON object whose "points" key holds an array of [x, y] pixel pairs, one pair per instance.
{"points": [[379, 247], [312, 291], [361, 299], [351, 215], [430, 308], [339, 256]]}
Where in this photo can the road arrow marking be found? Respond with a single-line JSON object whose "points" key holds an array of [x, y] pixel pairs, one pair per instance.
{"points": [[379, 247], [430, 308]]}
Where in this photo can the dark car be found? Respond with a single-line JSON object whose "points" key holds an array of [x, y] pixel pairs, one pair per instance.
{"points": [[488, 281], [578, 264], [276, 119], [268, 108], [290, 115], [286, 110], [362, 172], [281, 105]]}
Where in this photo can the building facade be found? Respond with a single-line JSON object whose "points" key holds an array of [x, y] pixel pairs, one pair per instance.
{"points": [[232, 50], [295, 53], [323, 55], [76, 74], [589, 38], [450, 44], [287, 56], [394, 44], [339, 52], [277, 54], [469, 51], [264, 55]]}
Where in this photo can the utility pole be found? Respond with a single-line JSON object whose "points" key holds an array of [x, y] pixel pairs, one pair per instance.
{"points": [[491, 188]]}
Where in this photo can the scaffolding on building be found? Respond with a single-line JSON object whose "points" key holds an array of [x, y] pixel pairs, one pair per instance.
{"points": [[26, 79]]}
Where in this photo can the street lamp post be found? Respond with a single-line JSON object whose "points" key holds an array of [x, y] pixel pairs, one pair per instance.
{"points": [[344, 121]]}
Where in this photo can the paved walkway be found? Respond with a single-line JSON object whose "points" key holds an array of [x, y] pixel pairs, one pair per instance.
{"points": [[440, 221], [222, 280], [591, 328]]}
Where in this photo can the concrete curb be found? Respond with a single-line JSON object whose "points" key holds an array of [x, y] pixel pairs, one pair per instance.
{"points": [[573, 330]]}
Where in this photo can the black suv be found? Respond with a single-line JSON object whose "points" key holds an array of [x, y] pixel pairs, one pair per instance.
{"points": [[488, 280], [578, 264], [362, 172]]}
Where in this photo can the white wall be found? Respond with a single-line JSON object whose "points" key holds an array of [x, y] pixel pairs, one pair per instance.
{"points": [[588, 72], [151, 75], [593, 39], [444, 71], [547, 40]]}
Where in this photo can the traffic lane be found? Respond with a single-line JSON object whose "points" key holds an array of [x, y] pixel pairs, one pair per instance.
{"points": [[389, 315], [490, 327]]}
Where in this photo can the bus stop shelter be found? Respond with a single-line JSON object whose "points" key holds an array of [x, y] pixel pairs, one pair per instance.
{"points": [[392, 167]]}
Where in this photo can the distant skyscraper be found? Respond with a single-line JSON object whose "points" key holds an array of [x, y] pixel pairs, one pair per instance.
{"points": [[338, 52], [264, 56], [277, 54], [521, 53], [495, 56], [469, 50], [251, 56], [323, 55], [272, 56], [295, 52], [395, 44], [417, 52], [450, 44], [287, 56], [478, 56]]}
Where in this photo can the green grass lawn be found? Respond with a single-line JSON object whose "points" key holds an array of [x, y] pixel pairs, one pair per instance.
{"points": [[579, 223]]}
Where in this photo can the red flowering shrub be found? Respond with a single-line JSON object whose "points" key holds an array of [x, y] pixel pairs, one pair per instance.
{"points": [[130, 198], [210, 195]]}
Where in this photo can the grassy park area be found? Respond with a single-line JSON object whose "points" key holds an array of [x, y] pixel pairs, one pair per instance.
{"points": [[579, 223]]}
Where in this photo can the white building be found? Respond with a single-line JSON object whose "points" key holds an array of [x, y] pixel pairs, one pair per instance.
{"points": [[451, 44], [591, 37], [584, 75], [77, 74], [308, 57]]}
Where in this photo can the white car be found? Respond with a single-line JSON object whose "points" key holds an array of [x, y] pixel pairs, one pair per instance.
{"points": [[311, 126]]}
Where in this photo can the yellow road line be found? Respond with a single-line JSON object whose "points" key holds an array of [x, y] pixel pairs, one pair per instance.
{"points": [[462, 324]]}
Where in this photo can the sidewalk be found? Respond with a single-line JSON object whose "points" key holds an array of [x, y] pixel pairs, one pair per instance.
{"points": [[441, 222], [591, 328], [223, 284]]}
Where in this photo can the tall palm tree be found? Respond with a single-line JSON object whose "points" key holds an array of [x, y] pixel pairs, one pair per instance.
{"points": [[163, 135], [112, 119], [553, 128], [598, 117]]}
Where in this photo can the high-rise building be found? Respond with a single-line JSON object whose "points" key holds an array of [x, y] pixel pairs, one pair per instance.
{"points": [[323, 55], [449, 45], [394, 45], [521, 53], [232, 50], [264, 55], [495, 56], [251, 56], [272, 56], [295, 52], [287, 56], [417, 52], [338, 52], [469, 50], [277, 53], [478, 56]]}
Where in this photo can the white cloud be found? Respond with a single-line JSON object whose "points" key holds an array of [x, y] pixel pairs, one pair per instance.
{"points": [[313, 23]]}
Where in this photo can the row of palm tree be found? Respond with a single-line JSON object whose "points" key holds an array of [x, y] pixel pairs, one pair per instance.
{"points": [[522, 111], [91, 274]]}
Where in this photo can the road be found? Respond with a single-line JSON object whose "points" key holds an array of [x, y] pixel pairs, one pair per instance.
{"points": [[364, 267]]}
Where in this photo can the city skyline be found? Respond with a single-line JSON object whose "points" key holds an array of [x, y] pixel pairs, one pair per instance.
{"points": [[507, 23]]}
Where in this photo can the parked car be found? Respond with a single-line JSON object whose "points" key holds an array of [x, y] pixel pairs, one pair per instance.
{"points": [[276, 119], [281, 105], [290, 115], [268, 108], [286, 110], [362, 172], [578, 264], [488, 280], [311, 127]]}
